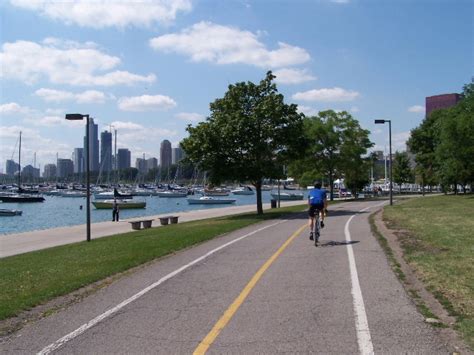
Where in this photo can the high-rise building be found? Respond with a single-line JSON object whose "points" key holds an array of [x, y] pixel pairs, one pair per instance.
{"points": [[50, 171], [94, 147], [78, 157], [123, 158], [11, 167], [29, 172], [441, 101], [177, 155], [140, 164], [151, 163], [106, 151], [165, 154], [65, 168]]}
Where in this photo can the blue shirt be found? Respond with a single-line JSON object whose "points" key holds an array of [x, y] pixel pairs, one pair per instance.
{"points": [[316, 196]]}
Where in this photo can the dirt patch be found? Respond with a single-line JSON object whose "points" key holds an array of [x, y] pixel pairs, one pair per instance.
{"points": [[416, 289]]}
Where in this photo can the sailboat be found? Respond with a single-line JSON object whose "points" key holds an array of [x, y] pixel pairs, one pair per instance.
{"points": [[20, 196]]}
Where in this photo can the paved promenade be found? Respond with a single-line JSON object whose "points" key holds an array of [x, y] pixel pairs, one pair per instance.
{"points": [[13, 244]]}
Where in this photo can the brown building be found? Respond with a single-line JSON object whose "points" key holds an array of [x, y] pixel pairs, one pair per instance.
{"points": [[441, 101]]}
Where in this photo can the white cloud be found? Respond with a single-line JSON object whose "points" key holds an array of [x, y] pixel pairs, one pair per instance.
{"points": [[86, 97], [146, 103], [188, 116], [63, 62], [307, 110], [327, 95], [399, 141], [12, 108], [354, 109], [293, 76], [126, 125], [416, 109], [206, 41], [108, 13]]}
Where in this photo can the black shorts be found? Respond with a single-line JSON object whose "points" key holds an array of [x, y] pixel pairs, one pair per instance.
{"points": [[313, 208]]}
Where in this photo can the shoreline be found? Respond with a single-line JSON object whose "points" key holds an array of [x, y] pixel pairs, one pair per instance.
{"points": [[24, 242]]}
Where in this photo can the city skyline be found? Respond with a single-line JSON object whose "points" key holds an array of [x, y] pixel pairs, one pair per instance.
{"points": [[154, 69]]}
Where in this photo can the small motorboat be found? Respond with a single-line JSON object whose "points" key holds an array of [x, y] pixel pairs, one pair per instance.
{"points": [[246, 190], [208, 200], [288, 196], [7, 212], [122, 204]]}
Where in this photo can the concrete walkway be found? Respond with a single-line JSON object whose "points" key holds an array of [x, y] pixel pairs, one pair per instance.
{"points": [[13, 244]]}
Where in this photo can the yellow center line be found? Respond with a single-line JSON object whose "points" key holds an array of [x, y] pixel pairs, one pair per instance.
{"points": [[229, 313]]}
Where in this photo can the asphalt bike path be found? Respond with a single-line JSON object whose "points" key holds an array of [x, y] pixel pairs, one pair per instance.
{"points": [[217, 298]]}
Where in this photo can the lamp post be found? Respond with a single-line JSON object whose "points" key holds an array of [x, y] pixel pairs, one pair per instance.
{"points": [[390, 153], [79, 117]]}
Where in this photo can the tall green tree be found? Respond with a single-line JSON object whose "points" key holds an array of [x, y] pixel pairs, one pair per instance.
{"points": [[402, 172], [250, 134], [336, 146]]}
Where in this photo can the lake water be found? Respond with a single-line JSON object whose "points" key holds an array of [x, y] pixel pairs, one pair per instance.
{"points": [[58, 211]]}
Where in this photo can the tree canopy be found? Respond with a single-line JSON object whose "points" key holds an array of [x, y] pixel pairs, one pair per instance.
{"points": [[250, 134], [336, 145], [444, 144]]}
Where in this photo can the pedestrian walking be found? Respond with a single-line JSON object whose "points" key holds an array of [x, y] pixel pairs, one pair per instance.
{"points": [[115, 211]]}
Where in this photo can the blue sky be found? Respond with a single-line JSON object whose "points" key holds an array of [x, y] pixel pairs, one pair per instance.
{"points": [[150, 68]]}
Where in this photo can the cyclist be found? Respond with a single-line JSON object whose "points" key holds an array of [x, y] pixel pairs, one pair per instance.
{"points": [[317, 202]]}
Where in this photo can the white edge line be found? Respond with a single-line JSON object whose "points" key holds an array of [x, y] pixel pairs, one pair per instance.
{"points": [[362, 325], [60, 342]]}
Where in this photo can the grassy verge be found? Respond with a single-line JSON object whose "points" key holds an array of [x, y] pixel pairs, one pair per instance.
{"points": [[30, 279], [439, 244]]}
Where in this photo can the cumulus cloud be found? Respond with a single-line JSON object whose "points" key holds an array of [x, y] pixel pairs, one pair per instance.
{"points": [[64, 62], [146, 103], [307, 110], [12, 108], [327, 95], [206, 41], [293, 76], [190, 117], [417, 109], [126, 125], [108, 13], [86, 97]]}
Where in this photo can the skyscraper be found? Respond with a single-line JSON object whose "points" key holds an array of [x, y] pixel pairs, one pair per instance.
{"points": [[106, 151], [140, 164], [50, 171], [11, 167], [165, 154], [123, 158], [78, 161], [151, 163], [65, 168], [177, 155], [94, 146]]}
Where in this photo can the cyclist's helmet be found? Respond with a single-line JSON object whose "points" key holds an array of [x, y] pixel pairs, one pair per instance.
{"points": [[317, 184]]}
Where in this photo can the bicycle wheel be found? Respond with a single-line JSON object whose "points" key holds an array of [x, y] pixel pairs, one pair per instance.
{"points": [[317, 230]]}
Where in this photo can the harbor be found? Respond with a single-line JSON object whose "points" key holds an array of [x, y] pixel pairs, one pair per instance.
{"points": [[61, 211]]}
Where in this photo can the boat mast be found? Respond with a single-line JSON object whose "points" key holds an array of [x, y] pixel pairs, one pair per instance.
{"points": [[19, 164]]}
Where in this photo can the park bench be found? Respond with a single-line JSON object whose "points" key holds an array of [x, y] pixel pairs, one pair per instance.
{"points": [[168, 219], [136, 225]]}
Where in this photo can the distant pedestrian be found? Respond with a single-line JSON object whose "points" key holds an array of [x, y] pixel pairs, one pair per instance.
{"points": [[115, 211]]}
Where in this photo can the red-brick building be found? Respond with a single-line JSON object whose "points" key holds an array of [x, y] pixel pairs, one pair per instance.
{"points": [[441, 101]]}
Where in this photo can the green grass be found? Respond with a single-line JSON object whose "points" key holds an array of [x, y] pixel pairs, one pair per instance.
{"points": [[439, 244], [30, 279]]}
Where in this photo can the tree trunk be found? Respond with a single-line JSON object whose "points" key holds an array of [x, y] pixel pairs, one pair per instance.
{"points": [[258, 187], [331, 187]]}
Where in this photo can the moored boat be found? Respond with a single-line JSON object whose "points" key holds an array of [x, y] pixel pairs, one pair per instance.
{"points": [[21, 198], [288, 196], [122, 204], [246, 190], [7, 212], [172, 193], [208, 200]]}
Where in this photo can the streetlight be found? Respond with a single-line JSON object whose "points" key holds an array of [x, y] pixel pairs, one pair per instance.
{"points": [[80, 117], [390, 153]]}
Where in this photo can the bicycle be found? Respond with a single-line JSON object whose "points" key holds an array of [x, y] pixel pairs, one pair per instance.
{"points": [[317, 226]]}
